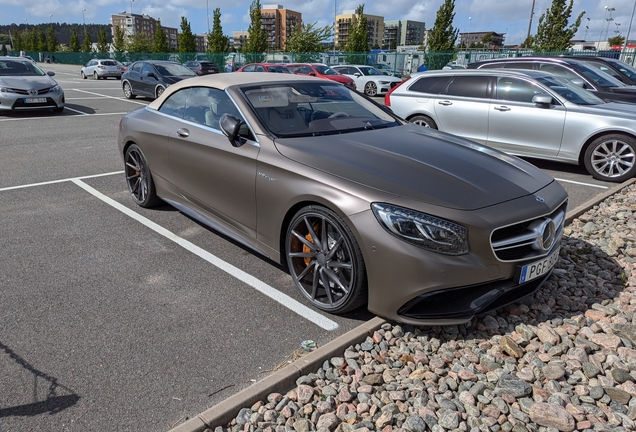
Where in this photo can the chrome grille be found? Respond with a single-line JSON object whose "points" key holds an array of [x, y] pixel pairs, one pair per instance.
{"points": [[529, 239], [26, 92]]}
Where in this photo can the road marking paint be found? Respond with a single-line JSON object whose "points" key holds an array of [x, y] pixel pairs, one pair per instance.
{"points": [[274, 294], [110, 97], [77, 111], [60, 181], [582, 184], [63, 116]]}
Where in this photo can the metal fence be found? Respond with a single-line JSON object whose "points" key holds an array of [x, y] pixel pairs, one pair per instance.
{"points": [[403, 62]]}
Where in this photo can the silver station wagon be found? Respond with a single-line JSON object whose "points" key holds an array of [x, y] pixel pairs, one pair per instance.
{"points": [[525, 113]]}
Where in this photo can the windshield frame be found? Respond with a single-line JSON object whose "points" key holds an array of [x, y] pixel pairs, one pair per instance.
{"points": [[566, 90], [595, 75]]}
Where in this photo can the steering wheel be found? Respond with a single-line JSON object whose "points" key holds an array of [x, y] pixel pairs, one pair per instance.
{"points": [[339, 114]]}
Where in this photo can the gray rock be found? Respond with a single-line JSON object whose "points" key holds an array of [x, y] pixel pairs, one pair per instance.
{"points": [[510, 384]]}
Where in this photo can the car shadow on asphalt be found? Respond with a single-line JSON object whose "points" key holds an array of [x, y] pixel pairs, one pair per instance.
{"points": [[57, 398]]}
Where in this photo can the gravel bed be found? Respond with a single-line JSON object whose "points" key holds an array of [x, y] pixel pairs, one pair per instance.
{"points": [[562, 359]]}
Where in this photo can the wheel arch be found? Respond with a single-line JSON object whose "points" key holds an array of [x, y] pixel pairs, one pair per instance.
{"points": [[591, 138], [418, 114]]}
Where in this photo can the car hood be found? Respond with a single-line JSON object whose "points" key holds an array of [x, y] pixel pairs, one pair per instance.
{"points": [[614, 109], [421, 164], [27, 82], [175, 79], [389, 78], [338, 78]]}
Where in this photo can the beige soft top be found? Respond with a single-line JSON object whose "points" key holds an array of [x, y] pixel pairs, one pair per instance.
{"points": [[222, 81]]}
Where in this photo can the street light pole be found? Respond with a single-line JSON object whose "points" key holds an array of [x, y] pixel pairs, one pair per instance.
{"points": [[468, 36], [131, 2], [530, 24], [600, 37], [630, 26], [609, 21], [84, 19], [207, 8]]}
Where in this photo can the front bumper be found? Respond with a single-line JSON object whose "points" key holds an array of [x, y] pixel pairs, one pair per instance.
{"points": [[18, 102]]}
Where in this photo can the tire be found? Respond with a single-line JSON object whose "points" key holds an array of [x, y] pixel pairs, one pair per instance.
{"points": [[611, 158], [58, 110], [422, 120], [334, 261], [128, 91], [83, 75], [370, 89], [139, 178], [159, 91], [95, 76]]}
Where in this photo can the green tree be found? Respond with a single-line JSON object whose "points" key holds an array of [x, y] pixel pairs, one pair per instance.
{"points": [[527, 43], [140, 42], [119, 40], [4, 49], [307, 41], [217, 41], [18, 40], [187, 40], [616, 40], [74, 44], [40, 39], [159, 40], [102, 41], [553, 33], [358, 41], [256, 43], [442, 37], [52, 44], [87, 44], [486, 41]]}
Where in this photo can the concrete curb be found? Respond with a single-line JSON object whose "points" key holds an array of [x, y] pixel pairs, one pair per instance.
{"points": [[281, 381], [285, 379]]}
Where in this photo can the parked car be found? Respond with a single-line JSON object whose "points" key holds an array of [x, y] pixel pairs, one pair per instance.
{"points": [[387, 70], [525, 113], [150, 78], [201, 67], [616, 68], [102, 69], [590, 78], [453, 65], [264, 67], [368, 79], [321, 71], [359, 206], [25, 87]]}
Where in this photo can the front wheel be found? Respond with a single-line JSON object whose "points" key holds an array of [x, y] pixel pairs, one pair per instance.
{"points": [[159, 91], [128, 91], [370, 89], [83, 75], [423, 121], [611, 158], [95, 75], [139, 178], [325, 261]]}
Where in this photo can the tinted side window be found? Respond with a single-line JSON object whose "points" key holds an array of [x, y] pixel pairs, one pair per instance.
{"points": [[469, 86], [175, 104], [520, 65], [517, 90], [559, 71], [137, 67], [146, 69], [430, 84], [249, 68]]}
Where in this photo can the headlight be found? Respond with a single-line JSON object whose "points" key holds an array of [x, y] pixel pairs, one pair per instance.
{"points": [[384, 82], [56, 88], [426, 231], [6, 90]]}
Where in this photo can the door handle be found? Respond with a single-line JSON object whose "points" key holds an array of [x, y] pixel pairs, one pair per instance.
{"points": [[183, 133], [502, 108], [445, 103]]}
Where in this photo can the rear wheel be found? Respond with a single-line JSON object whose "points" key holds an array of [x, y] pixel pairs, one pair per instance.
{"points": [[83, 75], [325, 261], [423, 121], [128, 91], [139, 178], [611, 157], [370, 89]]}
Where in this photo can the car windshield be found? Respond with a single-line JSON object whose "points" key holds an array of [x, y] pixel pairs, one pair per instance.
{"points": [[569, 91], [19, 68], [368, 70], [169, 69], [312, 109], [325, 70], [624, 68], [597, 76]]}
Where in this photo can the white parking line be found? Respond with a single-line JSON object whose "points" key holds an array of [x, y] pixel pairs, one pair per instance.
{"points": [[582, 184], [62, 117], [274, 294], [74, 110], [110, 97], [60, 181]]}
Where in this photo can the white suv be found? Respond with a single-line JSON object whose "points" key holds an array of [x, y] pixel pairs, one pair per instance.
{"points": [[102, 69]]}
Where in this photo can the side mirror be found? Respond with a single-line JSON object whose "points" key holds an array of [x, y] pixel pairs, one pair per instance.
{"points": [[230, 126], [578, 82], [357, 74], [312, 73], [151, 75], [542, 99], [50, 73]]}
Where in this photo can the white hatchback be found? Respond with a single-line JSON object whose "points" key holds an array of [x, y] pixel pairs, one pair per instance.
{"points": [[102, 69]]}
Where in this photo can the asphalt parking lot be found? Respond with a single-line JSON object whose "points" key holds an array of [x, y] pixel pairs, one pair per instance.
{"points": [[115, 317]]}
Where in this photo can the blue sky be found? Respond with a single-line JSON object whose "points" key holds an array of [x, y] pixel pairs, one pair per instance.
{"points": [[503, 16]]}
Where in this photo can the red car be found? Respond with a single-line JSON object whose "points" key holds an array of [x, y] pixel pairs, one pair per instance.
{"points": [[321, 71], [264, 67]]}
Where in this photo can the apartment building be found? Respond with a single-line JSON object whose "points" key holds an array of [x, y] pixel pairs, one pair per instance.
{"points": [[403, 32], [346, 21], [133, 24], [278, 23]]}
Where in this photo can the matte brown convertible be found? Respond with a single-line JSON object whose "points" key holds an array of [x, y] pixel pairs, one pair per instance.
{"points": [[360, 206]]}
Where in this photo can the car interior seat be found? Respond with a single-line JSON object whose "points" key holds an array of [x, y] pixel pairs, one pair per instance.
{"points": [[286, 119]]}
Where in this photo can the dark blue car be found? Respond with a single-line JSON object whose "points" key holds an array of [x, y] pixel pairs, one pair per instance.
{"points": [[150, 78]]}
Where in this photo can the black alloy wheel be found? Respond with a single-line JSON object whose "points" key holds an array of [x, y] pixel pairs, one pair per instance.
{"points": [[139, 178]]}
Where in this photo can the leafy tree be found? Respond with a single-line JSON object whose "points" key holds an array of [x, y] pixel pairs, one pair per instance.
{"points": [[186, 39], [442, 37], [4, 49], [616, 40], [52, 44], [139, 42], [217, 41], [40, 39], [358, 41], [527, 43], [102, 41], [486, 41], [256, 43], [307, 41], [119, 40], [74, 44], [159, 41], [553, 33], [87, 44], [18, 41]]}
